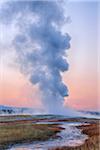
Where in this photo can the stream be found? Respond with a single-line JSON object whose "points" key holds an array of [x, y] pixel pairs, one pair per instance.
{"points": [[70, 136]]}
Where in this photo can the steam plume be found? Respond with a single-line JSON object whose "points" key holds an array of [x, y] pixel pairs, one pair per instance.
{"points": [[41, 47]]}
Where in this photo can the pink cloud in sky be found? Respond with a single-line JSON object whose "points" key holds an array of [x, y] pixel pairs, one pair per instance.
{"points": [[17, 91]]}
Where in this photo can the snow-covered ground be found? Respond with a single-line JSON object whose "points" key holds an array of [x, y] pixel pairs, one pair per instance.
{"points": [[6, 110]]}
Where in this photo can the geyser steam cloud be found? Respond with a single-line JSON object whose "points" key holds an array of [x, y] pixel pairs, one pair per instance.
{"points": [[41, 46]]}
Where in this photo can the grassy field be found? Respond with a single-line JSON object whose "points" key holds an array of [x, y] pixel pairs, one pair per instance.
{"points": [[21, 129], [13, 133]]}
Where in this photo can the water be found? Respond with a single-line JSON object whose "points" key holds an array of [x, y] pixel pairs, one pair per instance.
{"points": [[70, 136]]}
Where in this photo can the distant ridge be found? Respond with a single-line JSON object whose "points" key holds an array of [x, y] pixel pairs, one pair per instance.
{"points": [[97, 113], [17, 110], [10, 110]]}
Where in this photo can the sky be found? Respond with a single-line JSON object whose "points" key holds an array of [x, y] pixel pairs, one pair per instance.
{"points": [[83, 55], [82, 77]]}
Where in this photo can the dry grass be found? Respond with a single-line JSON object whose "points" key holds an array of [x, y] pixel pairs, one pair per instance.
{"points": [[92, 143], [18, 133], [14, 131]]}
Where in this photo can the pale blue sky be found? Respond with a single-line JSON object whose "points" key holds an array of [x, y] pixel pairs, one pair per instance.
{"points": [[82, 75], [83, 54]]}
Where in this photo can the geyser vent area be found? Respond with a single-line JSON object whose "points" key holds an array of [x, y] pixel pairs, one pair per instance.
{"points": [[41, 47]]}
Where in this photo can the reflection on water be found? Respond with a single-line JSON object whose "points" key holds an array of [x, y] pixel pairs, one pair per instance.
{"points": [[71, 136]]}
